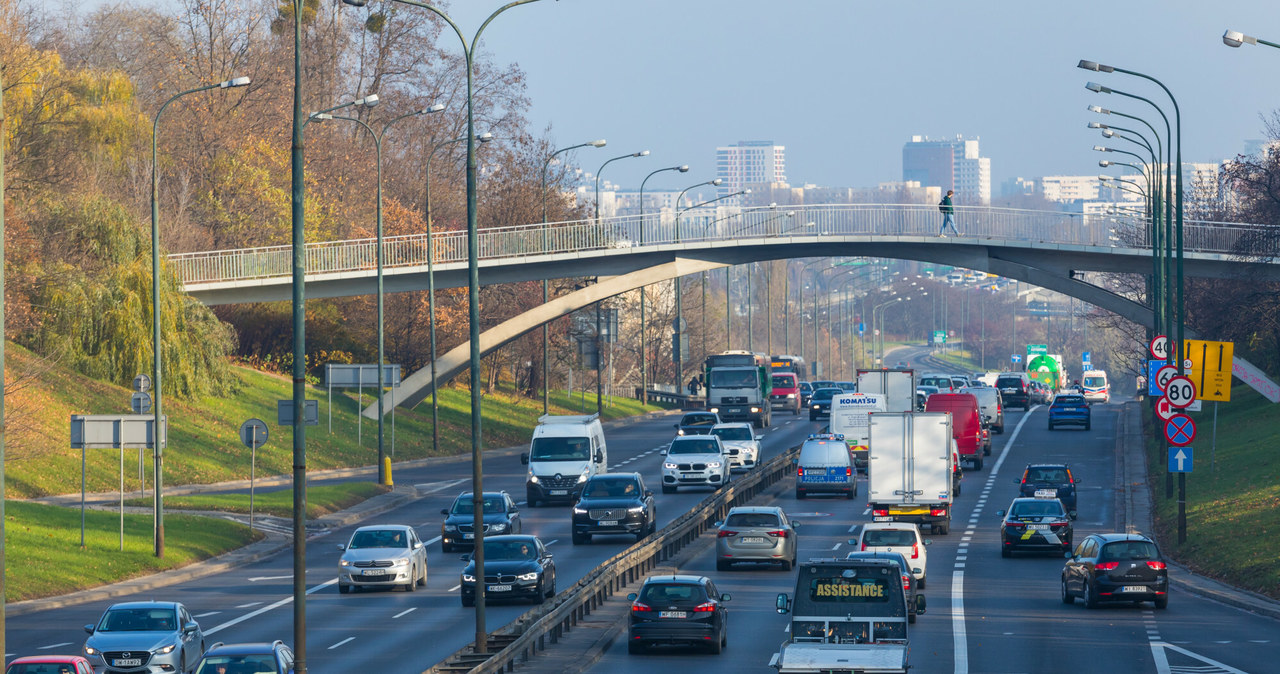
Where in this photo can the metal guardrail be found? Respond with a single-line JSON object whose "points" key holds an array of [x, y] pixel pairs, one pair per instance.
{"points": [[721, 224], [543, 626]]}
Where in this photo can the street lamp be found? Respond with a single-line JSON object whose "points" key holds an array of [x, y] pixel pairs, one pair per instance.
{"points": [[677, 345], [546, 391], [156, 347], [431, 286], [383, 478], [644, 356], [1234, 38], [599, 351], [714, 183], [473, 296]]}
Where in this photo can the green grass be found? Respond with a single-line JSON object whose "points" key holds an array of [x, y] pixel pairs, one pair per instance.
{"points": [[959, 359], [43, 556], [321, 500], [1233, 494]]}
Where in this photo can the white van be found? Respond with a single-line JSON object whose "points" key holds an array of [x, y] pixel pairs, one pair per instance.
{"points": [[1095, 387], [565, 452]]}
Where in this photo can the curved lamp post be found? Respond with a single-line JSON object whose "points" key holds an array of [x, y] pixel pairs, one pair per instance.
{"points": [[599, 343], [383, 478], [546, 391], [644, 356], [1233, 38], [677, 346]]}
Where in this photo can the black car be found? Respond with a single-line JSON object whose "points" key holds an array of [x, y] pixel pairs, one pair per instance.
{"points": [[1015, 389], [820, 403], [697, 423], [614, 503], [1116, 567], [806, 390], [847, 386], [904, 569], [515, 567], [259, 658], [500, 514], [1034, 524], [681, 610], [1050, 480]]}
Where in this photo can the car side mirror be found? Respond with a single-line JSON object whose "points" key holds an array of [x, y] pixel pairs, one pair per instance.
{"points": [[632, 597], [726, 597], [783, 604], [599, 456], [190, 628], [718, 524], [1069, 555], [1000, 513], [1071, 514], [524, 458], [920, 604], [759, 437], [917, 571], [648, 492], [1076, 480], [417, 546], [675, 425], [514, 509], [342, 546], [795, 524], [444, 511], [928, 541], [88, 628], [466, 557], [853, 541]]}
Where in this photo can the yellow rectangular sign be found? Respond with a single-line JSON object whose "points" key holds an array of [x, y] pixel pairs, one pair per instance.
{"points": [[1210, 368]]}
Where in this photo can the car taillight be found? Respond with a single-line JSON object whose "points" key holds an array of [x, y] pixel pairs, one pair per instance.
{"points": [[638, 607], [906, 583], [937, 512], [864, 546], [880, 513], [915, 551], [799, 472], [1158, 566], [725, 533], [704, 608], [781, 533], [1106, 566], [1057, 525], [848, 472]]}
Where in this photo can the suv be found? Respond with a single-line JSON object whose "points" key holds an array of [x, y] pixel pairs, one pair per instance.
{"points": [[697, 423], [614, 503], [1050, 480], [498, 512], [901, 537], [1070, 409], [741, 444], [990, 405], [685, 610], [259, 658], [144, 636], [1015, 388], [1116, 567], [695, 460]]}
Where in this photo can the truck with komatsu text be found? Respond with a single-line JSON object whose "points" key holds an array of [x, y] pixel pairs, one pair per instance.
{"points": [[851, 417], [739, 384], [910, 466]]}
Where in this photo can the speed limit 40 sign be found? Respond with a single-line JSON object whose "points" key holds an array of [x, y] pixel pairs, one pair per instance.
{"points": [[1180, 391], [1159, 347]]}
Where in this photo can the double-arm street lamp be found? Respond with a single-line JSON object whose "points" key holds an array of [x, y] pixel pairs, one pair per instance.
{"points": [[644, 355], [678, 343], [545, 294], [383, 478], [156, 344]]}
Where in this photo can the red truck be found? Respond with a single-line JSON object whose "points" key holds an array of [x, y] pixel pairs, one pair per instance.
{"points": [[966, 423]]}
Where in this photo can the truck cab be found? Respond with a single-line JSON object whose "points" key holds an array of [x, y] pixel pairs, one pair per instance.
{"points": [[739, 385]]}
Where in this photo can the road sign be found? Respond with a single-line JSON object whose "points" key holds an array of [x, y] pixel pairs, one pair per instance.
{"points": [[140, 402], [1015, 358], [1210, 367], [1159, 347], [1180, 391], [1181, 459], [939, 337], [1037, 349], [310, 413], [1153, 366], [1180, 430], [1164, 409], [142, 383], [1163, 375], [1086, 359], [253, 433]]}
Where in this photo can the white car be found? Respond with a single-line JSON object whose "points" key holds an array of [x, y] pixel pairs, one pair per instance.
{"points": [[901, 537], [383, 555], [696, 461], [741, 444]]}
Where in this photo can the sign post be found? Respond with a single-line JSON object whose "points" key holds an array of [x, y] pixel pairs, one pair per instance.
{"points": [[253, 433]]}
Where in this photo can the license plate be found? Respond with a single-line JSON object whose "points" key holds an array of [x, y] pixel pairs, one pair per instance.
{"points": [[1046, 493], [1071, 409], [1038, 527], [1135, 588], [1008, 390], [883, 518], [559, 492], [735, 410], [752, 539], [673, 614], [376, 572], [691, 475], [128, 662], [608, 523], [499, 588]]}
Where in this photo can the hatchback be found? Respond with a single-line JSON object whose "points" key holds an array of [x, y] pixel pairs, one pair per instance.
{"points": [[1070, 409], [256, 658], [144, 637], [49, 664], [679, 610], [896, 537], [756, 534], [1116, 567]]}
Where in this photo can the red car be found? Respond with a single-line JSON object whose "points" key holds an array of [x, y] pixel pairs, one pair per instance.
{"points": [[54, 664]]}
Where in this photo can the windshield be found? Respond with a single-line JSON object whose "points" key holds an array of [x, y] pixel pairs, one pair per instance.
{"points": [[940, 382], [699, 420], [1095, 381], [892, 537], [561, 449], [1068, 400], [823, 384], [694, 446], [784, 382], [379, 538], [465, 505], [138, 620], [752, 520], [826, 393], [610, 488], [806, 386], [1130, 550], [226, 664], [733, 378], [657, 594], [733, 433], [1045, 508], [1009, 382], [509, 551]]}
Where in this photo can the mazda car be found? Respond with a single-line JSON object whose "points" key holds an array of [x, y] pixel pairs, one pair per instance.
{"points": [[144, 637], [382, 555], [614, 503], [515, 567], [1034, 524], [499, 515], [678, 610], [1116, 567]]}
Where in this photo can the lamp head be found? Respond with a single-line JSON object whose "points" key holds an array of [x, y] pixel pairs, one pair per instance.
{"points": [[485, 137], [642, 153], [683, 168], [237, 82], [747, 191], [320, 116], [598, 143], [1094, 66], [1104, 178], [1103, 163], [809, 224], [431, 108], [368, 101], [773, 204], [1107, 133], [1234, 38], [1097, 125], [1097, 88], [1099, 109], [1099, 148], [717, 182]]}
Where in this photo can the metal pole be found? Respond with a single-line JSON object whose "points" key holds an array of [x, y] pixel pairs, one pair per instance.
{"points": [[299, 362], [253, 470], [3, 583], [728, 319], [599, 366], [751, 325], [1213, 449]]}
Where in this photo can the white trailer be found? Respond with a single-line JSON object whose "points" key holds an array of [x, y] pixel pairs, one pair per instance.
{"points": [[910, 469], [898, 387]]}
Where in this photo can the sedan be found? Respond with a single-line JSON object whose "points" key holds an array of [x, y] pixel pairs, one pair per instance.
{"points": [[820, 403], [1036, 524], [258, 658], [679, 610], [49, 664], [499, 516], [145, 637], [614, 503], [1070, 409], [384, 555], [1116, 567], [515, 567], [756, 534]]}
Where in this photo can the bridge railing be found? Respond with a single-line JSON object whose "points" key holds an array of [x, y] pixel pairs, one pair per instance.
{"points": [[722, 224]]}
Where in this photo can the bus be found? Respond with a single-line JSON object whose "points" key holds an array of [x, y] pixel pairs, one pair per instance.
{"points": [[794, 364]]}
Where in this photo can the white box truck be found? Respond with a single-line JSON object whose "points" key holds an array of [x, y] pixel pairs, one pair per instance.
{"points": [[850, 416], [910, 465], [898, 387]]}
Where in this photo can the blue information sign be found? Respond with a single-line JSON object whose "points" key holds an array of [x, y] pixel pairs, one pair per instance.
{"points": [[1153, 366], [862, 327], [1180, 459]]}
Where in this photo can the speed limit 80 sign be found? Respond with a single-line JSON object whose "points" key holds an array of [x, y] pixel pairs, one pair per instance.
{"points": [[1180, 391]]}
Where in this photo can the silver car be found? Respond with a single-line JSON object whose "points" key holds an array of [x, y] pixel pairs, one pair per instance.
{"points": [[741, 444], [143, 637], [756, 534], [384, 555]]}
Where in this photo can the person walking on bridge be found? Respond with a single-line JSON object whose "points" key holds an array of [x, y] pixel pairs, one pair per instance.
{"points": [[948, 215]]}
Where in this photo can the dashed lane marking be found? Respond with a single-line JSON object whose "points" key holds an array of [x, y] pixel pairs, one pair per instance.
{"points": [[404, 613], [342, 642], [454, 588], [255, 603], [206, 615], [45, 648]]}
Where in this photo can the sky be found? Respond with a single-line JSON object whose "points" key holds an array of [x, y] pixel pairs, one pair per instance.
{"points": [[842, 84]]}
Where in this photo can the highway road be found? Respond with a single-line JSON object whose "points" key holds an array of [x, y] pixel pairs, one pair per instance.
{"points": [[987, 613], [393, 632]]}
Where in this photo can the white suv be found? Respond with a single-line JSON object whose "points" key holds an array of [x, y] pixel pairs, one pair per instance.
{"points": [[901, 537], [695, 460], [741, 444]]}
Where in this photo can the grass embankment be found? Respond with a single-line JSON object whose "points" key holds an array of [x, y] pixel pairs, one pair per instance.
{"points": [[321, 500], [960, 359], [1233, 494]]}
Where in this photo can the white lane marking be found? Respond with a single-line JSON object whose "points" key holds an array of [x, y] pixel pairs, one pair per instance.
{"points": [[836, 546], [258, 578], [1259, 641], [432, 541], [551, 541], [404, 613], [1162, 660], [854, 526], [342, 642], [787, 628], [866, 512], [961, 642], [45, 648], [206, 615], [454, 588], [440, 486], [252, 603], [264, 609]]}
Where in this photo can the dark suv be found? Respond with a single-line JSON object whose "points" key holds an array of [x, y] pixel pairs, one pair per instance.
{"points": [[500, 515], [1015, 389], [1050, 480], [614, 503], [697, 423]]}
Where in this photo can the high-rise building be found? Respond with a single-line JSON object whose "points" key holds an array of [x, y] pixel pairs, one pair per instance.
{"points": [[750, 162], [950, 165]]}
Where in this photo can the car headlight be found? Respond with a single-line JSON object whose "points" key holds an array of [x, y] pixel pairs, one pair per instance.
{"points": [[669, 466], [582, 478], [637, 509], [90, 650], [713, 464], [714, 410], [755, 409], [533, 478], [468, 578], [579, 511], [679, 431], [400, 562], [532, 575], [816, 406], [344, 562], [791, 395], [166, 649], [498, 527]]}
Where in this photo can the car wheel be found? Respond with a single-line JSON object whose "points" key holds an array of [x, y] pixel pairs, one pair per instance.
{"points": [[1000, 429], [977, 463], [813, 417], [1050, 425], [343, 588], [722, 565], [413, 581], [422, 582], [717, 646], [1005, 551], [942, 529], [468, 602], [1090, 596], [579, 539], [799, 495], [635, 647], [787, 564], [667, 489], [1162, 602], [851, 493], [541, 595], [1066, 595], [552, 592], [986, 451]]}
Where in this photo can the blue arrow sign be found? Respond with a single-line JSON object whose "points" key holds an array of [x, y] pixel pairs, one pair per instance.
{"points": [[1015, 358], [1181, 459]]}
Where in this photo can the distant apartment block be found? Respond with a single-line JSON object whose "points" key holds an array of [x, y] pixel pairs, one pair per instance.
{"points": [[750, 162], [1069, 188], [949, 165]]}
